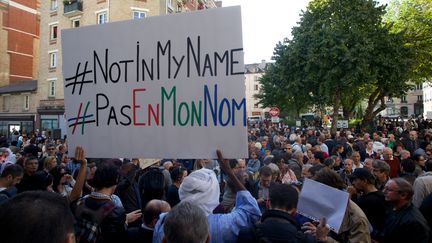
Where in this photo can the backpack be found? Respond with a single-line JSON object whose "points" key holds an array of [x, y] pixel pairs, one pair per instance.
{"points": [[87, 228]]}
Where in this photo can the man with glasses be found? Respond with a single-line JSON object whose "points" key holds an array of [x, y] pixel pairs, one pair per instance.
{"points": [[380, 170], [404, 223], [50, 151], [287, 152]]}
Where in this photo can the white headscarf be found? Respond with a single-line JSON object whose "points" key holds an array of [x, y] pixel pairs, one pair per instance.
{"points": [[202, 188], [11, 156]]}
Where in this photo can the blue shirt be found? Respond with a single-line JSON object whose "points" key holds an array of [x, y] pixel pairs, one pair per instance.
{"points": [[224, 227], [253, 165]]}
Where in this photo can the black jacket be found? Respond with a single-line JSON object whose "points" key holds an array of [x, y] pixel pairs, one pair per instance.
{"points": [[405, 225], [275, 226]]}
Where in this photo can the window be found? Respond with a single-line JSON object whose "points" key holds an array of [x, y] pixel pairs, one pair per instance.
{"points": [[48, 124], [179, 8], [102, 17], [53, 59], [403, 99], [404, 111], [26, 102], [54, 5], [52, 88], [6, 102], [53, 32], [75, 23], [419, 86], [256, 87], [138, 14], [419, 97], [256, 105], [256, 78]]}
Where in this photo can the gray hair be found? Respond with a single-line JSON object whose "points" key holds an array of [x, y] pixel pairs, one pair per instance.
{"points": [[404, 151], [297, 154], [404, 187], [382, 166], [186, 223], [275, 170]]}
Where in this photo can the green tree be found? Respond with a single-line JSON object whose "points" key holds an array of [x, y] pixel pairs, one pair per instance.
{"points": [[413, 18], [281, 87], [337, 38], [339, 55]]}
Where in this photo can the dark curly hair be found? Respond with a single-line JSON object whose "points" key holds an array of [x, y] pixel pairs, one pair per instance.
{"points": [[151, 185], [177, 173], [105, 176]]}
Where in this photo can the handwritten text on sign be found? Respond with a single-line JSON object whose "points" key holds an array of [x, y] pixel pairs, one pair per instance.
{"points": [[132, 90]]}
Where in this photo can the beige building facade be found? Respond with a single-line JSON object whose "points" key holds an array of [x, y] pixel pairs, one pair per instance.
{"points": [[412, 104], [253, 73], [58, 14]]}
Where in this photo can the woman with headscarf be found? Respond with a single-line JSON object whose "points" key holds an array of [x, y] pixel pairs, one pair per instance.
{"points": [[8, 158]]}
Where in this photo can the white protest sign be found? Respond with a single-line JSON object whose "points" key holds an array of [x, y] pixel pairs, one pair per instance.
{"points": [[342, 124], [165, 87], [318, 200], [275, 119]]}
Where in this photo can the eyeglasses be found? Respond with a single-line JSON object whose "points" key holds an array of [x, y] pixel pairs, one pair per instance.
{"points": [[390, 190]]}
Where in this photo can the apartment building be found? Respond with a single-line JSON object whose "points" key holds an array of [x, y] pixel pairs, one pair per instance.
{"points": [[253, 73], [427, 100], [408, 105], [62, 14], [19, 44]]}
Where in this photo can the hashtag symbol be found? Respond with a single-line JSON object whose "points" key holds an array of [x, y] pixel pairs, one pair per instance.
{"points": [[76, 120], [78, 75]]}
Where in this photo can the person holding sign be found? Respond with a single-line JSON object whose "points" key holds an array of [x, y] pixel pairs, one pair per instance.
{"points": [[202, 188], [279, 223], [355, 225]]}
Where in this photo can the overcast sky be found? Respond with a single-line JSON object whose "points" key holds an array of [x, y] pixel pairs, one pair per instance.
{"points": [[267, 22]]}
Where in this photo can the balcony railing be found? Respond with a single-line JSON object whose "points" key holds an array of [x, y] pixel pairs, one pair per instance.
{"points": [[72, 8]]}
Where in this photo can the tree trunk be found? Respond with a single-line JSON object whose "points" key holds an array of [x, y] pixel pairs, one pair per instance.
{"points": [[370, 113], [297, 113], [336, 106], [347, 113], [348, 106]]}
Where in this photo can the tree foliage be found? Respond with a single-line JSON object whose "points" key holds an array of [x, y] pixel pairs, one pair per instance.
{"points": [[413, 18], [340, 55]]}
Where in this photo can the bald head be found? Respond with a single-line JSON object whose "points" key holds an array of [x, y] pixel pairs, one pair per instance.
{"points": [[152, 211], [167, 165]]}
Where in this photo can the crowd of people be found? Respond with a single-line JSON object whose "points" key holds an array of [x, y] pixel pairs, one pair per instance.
{"points": [[48, 196]]}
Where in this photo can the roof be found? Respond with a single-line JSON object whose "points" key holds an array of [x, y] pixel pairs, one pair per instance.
{"points": [[256, 67], [21, 86]]}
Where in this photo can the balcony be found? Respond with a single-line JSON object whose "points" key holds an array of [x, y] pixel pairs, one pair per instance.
{"points": [[72, 8]]}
